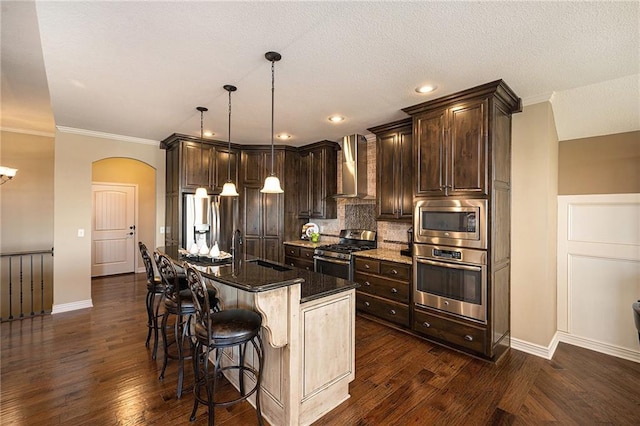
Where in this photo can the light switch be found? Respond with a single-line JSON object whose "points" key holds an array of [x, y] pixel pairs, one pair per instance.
{"points": [[80, 232], [162, 229]]}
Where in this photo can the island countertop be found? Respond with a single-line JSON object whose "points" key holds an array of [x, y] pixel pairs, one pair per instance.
{"points": [[257, 275]]}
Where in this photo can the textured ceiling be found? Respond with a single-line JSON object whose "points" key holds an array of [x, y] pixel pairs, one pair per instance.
{"points": [[140, 68]]}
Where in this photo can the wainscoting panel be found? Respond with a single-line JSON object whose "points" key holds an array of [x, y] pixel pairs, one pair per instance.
{"points": [[599, 271]]}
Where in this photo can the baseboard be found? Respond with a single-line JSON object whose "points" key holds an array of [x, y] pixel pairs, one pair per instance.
{"points": [[597, 346], [141, 270], [535, 349], [73, 306]]}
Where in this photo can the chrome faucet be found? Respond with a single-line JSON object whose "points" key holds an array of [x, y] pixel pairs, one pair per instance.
{"points": [[236, 243]]}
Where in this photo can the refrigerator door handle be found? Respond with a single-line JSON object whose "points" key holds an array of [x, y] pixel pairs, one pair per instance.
{"points": [[215, 222]]}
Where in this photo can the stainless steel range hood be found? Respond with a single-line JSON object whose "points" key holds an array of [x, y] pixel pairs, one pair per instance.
{"points": [[354, 167]]}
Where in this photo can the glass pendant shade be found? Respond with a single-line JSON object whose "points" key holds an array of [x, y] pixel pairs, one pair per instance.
{"points": [[272, 185], [201, 193], [229, 190]]}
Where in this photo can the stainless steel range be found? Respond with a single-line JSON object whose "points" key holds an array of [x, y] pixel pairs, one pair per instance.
{"points": [[336, 259]]}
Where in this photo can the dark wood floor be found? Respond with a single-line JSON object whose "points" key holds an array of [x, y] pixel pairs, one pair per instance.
{"points": [[91, 367]]}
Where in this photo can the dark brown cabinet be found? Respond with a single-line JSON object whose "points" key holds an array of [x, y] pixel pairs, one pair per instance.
{"points": [[394, 170], [189, 165], [300, 257], [384, 291], [268, 218], [462, 148], [317, 175]]}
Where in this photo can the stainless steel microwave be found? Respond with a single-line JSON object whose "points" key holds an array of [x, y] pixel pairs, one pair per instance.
{"points": [[451, 222]]}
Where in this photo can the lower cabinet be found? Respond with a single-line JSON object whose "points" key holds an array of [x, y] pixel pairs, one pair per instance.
{"points": [[300, 257], [384, 290], [448, 331]]}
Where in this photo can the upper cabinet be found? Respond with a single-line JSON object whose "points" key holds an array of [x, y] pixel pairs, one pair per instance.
{"points": [[317, 177], [455, 136], [394, 170]]}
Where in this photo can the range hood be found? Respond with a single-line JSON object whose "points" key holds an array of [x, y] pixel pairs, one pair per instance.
{"points": [[354, 167]]}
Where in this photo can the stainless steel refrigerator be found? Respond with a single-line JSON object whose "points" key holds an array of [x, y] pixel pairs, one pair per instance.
{"points": [[209, 220]]}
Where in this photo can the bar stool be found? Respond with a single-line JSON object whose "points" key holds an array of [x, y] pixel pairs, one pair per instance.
{"points": [[213, 332], [155, 290]]}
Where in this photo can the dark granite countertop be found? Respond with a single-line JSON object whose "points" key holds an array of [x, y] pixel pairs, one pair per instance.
{"points": [[256, 275]]}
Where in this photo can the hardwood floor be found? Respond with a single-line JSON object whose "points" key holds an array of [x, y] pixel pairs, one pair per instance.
{"points": [[91, 367]]}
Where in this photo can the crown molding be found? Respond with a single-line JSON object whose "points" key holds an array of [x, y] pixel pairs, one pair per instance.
{"points": [[112, 136], [27, 132], [536, 99]]}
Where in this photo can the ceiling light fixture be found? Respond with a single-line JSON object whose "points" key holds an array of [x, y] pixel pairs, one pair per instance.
{"points": [[427, 88], [6, 174], [272, 183], [229, 188], [208, 134], [336, 118], [284, 136], [202, 191]]}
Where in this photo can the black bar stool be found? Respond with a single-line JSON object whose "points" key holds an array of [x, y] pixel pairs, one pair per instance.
{"points": [[155, 293], [213, 332]]}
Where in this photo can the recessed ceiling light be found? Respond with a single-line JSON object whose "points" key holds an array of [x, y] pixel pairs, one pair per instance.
{"points": [[336, 118], [208, 134], [283, 136], [427, 88]]}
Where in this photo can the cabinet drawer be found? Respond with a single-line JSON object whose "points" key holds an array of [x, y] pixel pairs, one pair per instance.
{"points": [[292, 251], [397, 271], [298, 263], [450, 331], [390, 311], [383, 287], [306, 253], [367, 265]]}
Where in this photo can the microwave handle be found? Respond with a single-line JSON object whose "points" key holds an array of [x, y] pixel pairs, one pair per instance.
{"points": [[452, 265]]}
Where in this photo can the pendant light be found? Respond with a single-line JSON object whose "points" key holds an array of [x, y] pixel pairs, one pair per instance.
{"points": [[202, 191], [272, 183], [229, 188]]}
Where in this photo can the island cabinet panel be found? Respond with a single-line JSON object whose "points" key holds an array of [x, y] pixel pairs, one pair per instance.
{"points": [[300, 257], [317, 177], [385, 290], [394, 170]]}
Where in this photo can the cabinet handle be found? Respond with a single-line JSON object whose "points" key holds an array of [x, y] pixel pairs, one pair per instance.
{"points": [[426, 324], [367, 304], [308, 268], [446, 302], [392, 311], [394, 272], [367, 283], [394, 290], [291, 263], [468, 338], [366, 266]]}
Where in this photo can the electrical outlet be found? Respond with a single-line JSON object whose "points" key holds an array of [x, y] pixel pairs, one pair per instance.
{"points": [[162, 229], [80, 232]]}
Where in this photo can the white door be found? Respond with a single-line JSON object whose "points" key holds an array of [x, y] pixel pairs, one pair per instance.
{"points": [[113, 229]]}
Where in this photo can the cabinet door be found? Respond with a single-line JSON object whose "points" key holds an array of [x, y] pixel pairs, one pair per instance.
{"points": [[385, 174], [223, 161], [429, 153], [271, 214], [253, 246], [304, 197], [404, 190], [318, 189], [271, 249], [252, 167], [252, 212], [172, 221], [466, 159], [197, 168]]}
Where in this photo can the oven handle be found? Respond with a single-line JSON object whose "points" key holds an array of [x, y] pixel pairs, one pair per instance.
{"points": [[451, 265], [331, 260]]}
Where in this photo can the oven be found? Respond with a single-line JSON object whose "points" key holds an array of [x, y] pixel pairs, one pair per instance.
{"points": [[334, 267], [453, 280], [456, 222]]}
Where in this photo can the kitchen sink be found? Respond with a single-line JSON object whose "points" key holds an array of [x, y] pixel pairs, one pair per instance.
{"points": [[274, 266]]}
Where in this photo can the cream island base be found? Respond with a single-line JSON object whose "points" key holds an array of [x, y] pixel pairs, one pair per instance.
{"points": [[309, 351]]}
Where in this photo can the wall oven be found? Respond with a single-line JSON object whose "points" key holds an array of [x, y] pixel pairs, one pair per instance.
{"points": [[452, 280], [458, 223]]}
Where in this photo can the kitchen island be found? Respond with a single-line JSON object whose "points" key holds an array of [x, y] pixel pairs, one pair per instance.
{"points": [[308, 324]]}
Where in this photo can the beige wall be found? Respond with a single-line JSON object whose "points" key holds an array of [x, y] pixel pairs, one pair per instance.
{"points": [[125, 170], [26, 202], [74, 157], [534, 224], [600, 165]]}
